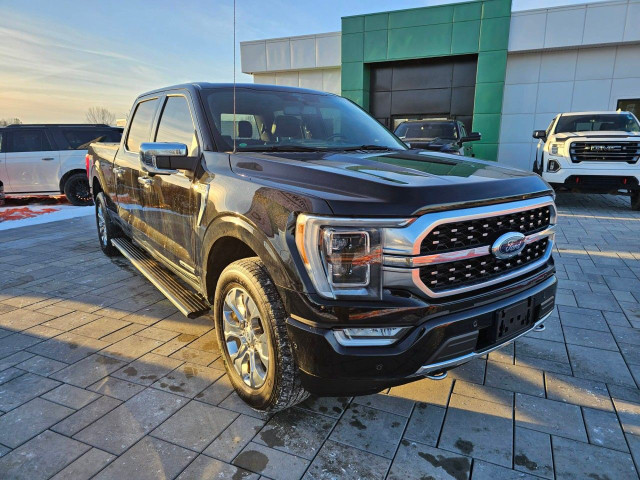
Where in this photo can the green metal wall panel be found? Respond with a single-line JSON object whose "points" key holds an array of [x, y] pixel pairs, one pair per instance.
{"points": [[466, 36], [378, 21], [480, 27], [467, 11]]}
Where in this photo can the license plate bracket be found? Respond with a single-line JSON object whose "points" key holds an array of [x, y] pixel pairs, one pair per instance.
{"points": [[514, 319]]}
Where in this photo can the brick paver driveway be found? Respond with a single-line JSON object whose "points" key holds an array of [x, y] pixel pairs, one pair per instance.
{"points": [[99, 375]]}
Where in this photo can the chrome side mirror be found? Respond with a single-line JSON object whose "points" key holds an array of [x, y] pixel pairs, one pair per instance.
{"points": [[164, 158]]}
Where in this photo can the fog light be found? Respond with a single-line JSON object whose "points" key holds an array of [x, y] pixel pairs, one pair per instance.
{"points": [[361, 337], [553, 166]]}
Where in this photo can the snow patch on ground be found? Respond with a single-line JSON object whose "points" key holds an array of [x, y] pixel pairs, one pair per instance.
{"points": [[28, 215]]}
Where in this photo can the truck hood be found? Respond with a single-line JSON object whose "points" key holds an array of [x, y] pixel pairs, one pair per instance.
{"points": [[561, 137], [389, 183]]}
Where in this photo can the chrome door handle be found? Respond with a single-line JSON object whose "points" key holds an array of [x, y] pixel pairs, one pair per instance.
{"points": [[48, 158], [145, 181], [118, 170]]}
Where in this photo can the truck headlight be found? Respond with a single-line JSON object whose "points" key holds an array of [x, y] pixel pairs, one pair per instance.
{"points": [[557, 149], [343, 256]]}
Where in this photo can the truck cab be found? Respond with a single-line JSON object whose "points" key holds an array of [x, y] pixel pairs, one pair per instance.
{"points": [[596, 152]]}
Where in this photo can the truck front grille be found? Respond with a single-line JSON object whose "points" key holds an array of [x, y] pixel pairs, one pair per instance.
{"points": [[462, 235], [448, 253], [605, 152], [462, 273]]}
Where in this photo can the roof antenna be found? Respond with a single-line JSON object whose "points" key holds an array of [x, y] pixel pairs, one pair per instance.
{"points": [[235, 127]]}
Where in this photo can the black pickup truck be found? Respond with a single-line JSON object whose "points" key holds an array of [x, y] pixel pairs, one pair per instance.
{"points": [[335, 260]]}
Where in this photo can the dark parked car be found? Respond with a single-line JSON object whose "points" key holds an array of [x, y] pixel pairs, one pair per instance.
{"points": [[50, 159], [449, 136], [335, 260]]}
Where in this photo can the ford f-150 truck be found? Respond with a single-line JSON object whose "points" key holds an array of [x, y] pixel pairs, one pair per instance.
{"points": [[335, 260], [596, 152]]}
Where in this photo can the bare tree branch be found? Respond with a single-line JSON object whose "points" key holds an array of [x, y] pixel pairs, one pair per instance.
{"points": [[100, 115], [10, 121]]}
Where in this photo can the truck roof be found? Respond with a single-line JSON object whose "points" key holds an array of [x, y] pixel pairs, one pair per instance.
{"points": [[603, 112], [254, 86], [88, 125]]}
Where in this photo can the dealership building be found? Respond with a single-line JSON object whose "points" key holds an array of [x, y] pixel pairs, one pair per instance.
{"points": [[503, 73]]}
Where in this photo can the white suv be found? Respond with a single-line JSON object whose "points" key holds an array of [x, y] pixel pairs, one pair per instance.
{"points": [[50, 159], [592, 152]]}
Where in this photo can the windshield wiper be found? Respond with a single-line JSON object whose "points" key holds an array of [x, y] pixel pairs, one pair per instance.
{"points": [[366, 147], [280, 148]]}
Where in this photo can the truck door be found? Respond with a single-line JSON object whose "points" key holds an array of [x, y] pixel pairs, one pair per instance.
{"points": [[171, 203], [32, 163], [127, 165]]}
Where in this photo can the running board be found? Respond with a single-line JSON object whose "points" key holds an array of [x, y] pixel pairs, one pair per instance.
{"points": [[189, 303]]}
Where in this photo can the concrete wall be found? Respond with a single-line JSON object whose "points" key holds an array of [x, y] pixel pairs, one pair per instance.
{"points": [[575, 26], [325, 79], [310, 61]]}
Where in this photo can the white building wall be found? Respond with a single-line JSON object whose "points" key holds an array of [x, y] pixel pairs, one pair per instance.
{"points": [[541, 84], [310, 61], [575, 26]]}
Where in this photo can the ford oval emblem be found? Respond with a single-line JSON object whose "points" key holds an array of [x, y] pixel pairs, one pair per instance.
{"points": [[508, 245]]}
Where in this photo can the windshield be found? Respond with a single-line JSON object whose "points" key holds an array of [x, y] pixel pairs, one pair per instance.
{"points": [[622, 122], [285, 120], [427, 130]]}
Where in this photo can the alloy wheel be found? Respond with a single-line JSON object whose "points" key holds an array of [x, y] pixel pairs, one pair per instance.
{"points": [[245, 337], [102, 226]]}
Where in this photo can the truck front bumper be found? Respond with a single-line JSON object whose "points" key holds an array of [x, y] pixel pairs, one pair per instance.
{"points": [[431, 347], [596, 176]]}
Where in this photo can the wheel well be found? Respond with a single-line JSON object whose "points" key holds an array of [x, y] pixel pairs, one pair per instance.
{"points": [[225, 251], [64, 178], [96, 187]]}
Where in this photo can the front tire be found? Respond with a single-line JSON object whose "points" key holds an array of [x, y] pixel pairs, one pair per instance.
{"points": [[106, 229], [635, 200], [250, 324], [76, 189]]}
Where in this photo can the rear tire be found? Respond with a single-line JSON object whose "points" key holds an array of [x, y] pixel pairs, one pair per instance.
{"points": [[77, 191], [257, 334], [106, 229], [635, 200]]}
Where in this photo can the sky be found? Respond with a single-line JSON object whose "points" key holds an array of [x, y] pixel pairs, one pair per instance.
{"points": [[58, 58]]}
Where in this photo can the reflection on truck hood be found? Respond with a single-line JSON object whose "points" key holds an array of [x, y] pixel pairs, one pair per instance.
{"points": [[394, 183]]}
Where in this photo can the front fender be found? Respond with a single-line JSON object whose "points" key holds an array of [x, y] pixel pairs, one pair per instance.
{"points": [[273, 251]]}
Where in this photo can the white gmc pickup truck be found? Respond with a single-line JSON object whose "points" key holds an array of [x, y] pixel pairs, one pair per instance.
{"points": [[596, 152]]}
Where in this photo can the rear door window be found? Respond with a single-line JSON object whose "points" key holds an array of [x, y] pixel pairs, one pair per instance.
{"points": [[141, 124], [29, 140], [176, 124]]}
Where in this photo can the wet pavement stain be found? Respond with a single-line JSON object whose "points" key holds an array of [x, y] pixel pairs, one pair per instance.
{"points": [[145, 377], [190, 372], [358, 424], [252, 460], [523, 461], [457, 467], [130, 371], [107, 360], [464, 446], [271, 438]]}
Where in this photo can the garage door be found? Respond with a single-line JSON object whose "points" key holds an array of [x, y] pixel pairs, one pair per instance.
{"points": [[426, 88]]}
